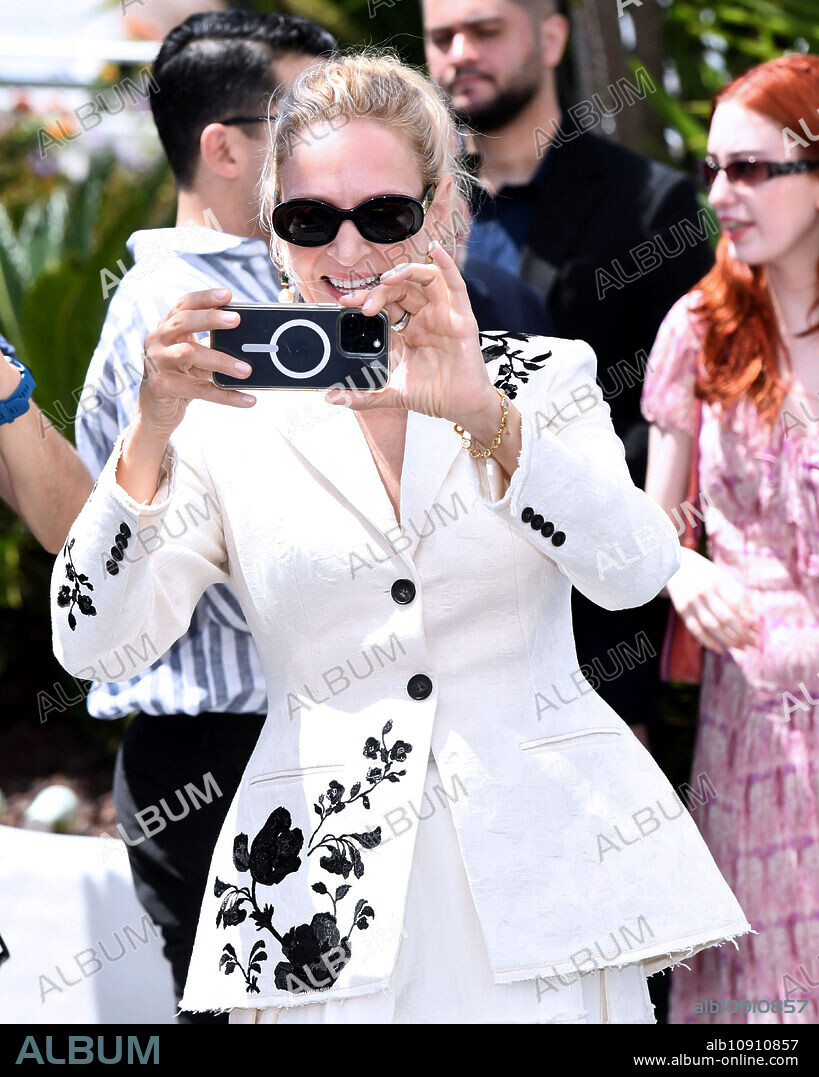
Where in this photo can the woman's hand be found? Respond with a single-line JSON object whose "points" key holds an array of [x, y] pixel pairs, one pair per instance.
{"points": [[715, 608], [437, 365], [178, 369]]}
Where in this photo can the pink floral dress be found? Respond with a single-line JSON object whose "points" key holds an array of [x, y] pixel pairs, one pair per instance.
{"points": [[758, 736]]}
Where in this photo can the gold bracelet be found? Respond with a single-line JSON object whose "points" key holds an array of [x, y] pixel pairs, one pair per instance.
{"points": [[466, 439]]}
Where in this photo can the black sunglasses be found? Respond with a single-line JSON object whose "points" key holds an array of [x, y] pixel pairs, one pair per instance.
{"points": [[750, 171], [387, 218]]}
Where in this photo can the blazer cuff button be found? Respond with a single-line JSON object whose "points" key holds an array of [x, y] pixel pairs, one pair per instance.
{"points": [[527, 514]]}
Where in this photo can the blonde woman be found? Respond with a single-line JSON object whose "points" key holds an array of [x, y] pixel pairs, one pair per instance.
{"points": [[408, 588]]}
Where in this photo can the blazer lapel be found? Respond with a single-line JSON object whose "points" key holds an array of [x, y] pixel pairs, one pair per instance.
{"points": [[329, 438], [431, 448]]}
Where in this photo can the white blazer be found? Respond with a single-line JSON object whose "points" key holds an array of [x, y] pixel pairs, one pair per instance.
{"points": [[451, 634]]}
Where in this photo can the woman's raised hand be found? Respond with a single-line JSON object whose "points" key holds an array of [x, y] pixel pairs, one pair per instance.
{"points": [[178, 369], [437, 365]]}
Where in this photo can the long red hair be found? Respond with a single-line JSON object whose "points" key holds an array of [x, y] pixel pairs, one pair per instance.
{"points": [[741, 341]]}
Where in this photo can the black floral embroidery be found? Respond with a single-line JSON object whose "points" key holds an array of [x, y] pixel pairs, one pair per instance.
{"points": [[499, 346], [333, 801], [305, 948], [229, 961], [313, 953], [73, 596], [274, 853]]}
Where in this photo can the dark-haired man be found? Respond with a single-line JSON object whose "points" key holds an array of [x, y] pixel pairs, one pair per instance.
{"points": [[201, 704], [587, 222]]}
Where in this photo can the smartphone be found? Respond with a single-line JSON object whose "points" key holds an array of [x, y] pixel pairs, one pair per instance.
{"points": [[306, 346]]}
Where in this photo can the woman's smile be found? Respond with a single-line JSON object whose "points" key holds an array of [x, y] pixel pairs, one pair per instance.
{"points": [[735, 228], [338, 286]]}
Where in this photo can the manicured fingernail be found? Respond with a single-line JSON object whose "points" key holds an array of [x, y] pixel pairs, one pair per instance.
{"points": [[394, 271], [434, 245], [248, 400], [229, 317], [221, 293], [242, 367]]}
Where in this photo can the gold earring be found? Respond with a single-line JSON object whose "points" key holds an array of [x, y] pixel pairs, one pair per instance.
{"points": [[286, 295]]}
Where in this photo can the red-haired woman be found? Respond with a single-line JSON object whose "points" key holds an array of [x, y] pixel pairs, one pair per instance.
{"points": [[743, 347]]}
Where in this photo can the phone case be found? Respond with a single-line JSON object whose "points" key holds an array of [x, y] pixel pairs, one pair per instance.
{"points": [[297, 346]]}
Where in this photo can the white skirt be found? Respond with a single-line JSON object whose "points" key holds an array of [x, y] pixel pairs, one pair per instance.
{"points": [[443, 974]]}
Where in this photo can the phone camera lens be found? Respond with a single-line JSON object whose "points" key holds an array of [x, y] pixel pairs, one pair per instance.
{"points": [[360, 335]]}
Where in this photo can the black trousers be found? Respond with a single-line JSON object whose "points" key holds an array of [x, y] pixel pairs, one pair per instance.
{"points": [[159, 756]]}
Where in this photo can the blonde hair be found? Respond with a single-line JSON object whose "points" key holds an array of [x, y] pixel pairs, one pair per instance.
{"points": [[370, 85]]}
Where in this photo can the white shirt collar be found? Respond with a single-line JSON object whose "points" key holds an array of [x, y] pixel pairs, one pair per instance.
{"points": [[189, 238]]}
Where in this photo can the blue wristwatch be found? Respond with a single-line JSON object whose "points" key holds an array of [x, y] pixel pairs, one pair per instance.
{"points": [[18, 403]]}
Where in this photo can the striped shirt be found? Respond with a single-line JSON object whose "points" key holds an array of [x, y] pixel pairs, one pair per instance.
{"points": [[215, 666]]}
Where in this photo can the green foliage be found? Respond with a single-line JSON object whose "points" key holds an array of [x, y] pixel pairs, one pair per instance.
{"points": [[709, 44], [52, 304]]}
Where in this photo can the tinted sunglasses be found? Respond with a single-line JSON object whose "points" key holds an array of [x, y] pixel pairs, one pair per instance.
{"points": [[750, 171], [387, 218]]}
